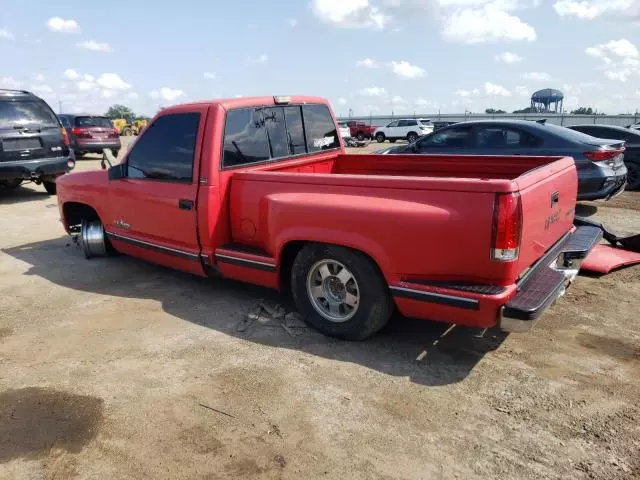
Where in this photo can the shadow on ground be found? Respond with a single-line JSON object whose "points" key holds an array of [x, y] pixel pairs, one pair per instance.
{"points": [[223, 305], [585, 210], [20, 194]]}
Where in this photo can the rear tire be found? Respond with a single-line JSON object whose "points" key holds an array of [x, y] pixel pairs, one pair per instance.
{"points": [[360, 136], [633, 176], [412, 137], [127, 132], [380, 137], [340, 291], [11, 184], [50, 187]]}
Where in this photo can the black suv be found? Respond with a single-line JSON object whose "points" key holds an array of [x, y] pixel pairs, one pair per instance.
{"points": [[33, 145]]}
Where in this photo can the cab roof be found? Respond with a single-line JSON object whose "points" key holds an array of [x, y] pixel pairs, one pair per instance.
{"points": [[247, 102]]}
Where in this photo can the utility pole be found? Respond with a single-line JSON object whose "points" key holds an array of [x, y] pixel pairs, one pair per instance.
{"points": [[59, 106]]}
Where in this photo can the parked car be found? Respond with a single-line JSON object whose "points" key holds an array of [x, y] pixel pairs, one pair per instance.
{"points": [[263, 192], [344, 130], [409, 129], [601, 170], [90, 133], [438, 125], [360, 130], [634, 126], [632, 147], [33, 145]]}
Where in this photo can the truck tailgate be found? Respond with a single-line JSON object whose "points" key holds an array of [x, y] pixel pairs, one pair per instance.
{"points": [[548, 196]]}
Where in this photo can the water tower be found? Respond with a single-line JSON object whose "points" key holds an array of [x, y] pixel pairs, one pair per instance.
{"points": [[548, 100]]}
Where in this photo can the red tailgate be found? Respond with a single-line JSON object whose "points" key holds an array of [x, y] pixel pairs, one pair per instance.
{"points": [[548, 196]]}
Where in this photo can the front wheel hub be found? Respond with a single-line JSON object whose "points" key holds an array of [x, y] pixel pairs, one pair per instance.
{"points": [[333, 290]]}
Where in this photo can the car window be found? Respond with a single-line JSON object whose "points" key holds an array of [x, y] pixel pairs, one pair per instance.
{"points": [[26, 112], [403, 123], [166, 149], [393, 124], [65, 122], [319, 128], [102, 122], [411, 123], [453, 137], [245, 138], [295, 130], [567, 133], [503, 137]]}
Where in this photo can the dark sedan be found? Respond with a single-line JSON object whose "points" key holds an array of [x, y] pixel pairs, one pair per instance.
{"points": [[632, 145], [601, 169]]}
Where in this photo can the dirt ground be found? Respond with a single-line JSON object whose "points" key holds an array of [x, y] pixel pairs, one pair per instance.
{"points": [[115, 368]]}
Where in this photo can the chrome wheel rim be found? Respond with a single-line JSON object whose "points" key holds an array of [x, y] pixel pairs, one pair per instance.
{"points": [[333, 290]]}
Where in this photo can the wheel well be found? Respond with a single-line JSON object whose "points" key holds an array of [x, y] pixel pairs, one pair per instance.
{"points": [[415, 133], [290, 251], [75, 212]]}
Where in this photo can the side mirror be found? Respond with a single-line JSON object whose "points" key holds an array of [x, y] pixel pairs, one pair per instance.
{"points": [[117, 171], [107, 158]]}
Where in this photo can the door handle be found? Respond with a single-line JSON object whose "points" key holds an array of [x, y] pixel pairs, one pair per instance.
{"points": [[184, 204]]}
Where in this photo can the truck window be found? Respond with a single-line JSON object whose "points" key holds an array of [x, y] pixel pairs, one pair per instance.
{"points": [[245, 138], [166, 149], [319, 127], [295, 129], [277, 131]]}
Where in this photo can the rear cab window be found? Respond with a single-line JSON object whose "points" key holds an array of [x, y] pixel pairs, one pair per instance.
{"points": [[102, 122], [27, 112], [261, 134]]}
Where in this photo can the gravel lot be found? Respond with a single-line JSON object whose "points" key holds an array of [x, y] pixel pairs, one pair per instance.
{"points": [[115, 368]]}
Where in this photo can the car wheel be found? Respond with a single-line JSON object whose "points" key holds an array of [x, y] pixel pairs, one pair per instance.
{"points": [[340, 291], [127, 132], [50, 187], [92, 239], [380, 137], [392, 140], [412, 137], [360, 136], [633, 176]]}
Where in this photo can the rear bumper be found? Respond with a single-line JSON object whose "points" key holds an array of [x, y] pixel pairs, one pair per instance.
{"points": [[602, 183], [93, 146], [515, 307], [548, 279], [36, 169]]}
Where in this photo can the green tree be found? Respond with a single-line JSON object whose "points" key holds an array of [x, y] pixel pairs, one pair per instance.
{"points": [[583, 111], [493, 110], [527, 110], [120, 111]]}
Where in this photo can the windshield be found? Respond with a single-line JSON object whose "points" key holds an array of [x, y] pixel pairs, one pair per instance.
{"points": [[26, 113], [103, 122]]}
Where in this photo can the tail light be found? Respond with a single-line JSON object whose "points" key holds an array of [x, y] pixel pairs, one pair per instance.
{"points": [[507, 227], [65, 136], [114, 133], [603, 155], [81, 132]]}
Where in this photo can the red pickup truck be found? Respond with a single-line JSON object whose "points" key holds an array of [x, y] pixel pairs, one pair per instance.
{"points": [[261, 190], [360, 130]]}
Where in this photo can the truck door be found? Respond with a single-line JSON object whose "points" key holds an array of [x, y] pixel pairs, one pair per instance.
{"points": [[152, 210]]}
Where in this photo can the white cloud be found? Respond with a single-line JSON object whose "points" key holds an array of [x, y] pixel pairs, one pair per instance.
{"points": [[373, 92], [71, 74], [86, 86], [342, 101], [264, 58], [210, 76], [406, 70], [628, 10], [621, 48], [631, 62], [508, 57], [38, 77], [292, 22], [367, 63], [496, 90], [112, 81], [109, 93], [491, 22], [522, 91], [398, 100], [537, 76], [349, 13], [166, 93], [41, 89], [94, 46], [6, 34], [619, 75], [10, 83], [57, 24], [421, 102], [132, 96]]}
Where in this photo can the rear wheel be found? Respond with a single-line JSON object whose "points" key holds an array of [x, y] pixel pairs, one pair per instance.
{"points": [[50, 187], [633, 176], [412, 137], [340, 291], [380, 137], [92, 239], [360, 136], [127, 132]]}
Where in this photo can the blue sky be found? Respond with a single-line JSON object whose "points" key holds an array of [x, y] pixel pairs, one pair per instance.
{"points": [[370, 56]]}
